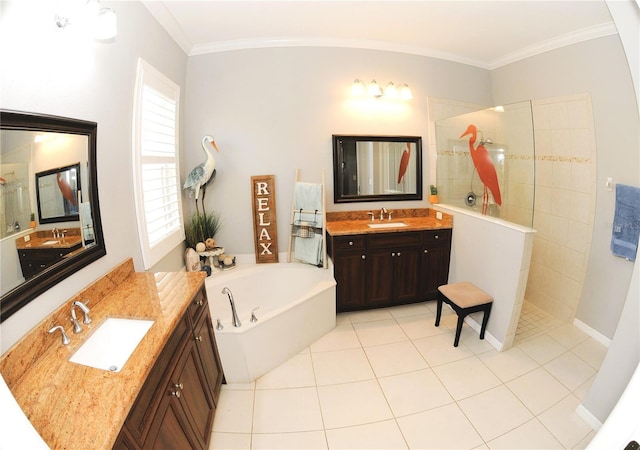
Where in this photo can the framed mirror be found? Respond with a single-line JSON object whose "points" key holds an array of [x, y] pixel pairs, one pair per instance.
{"points": [[52, 160], [57, 194], [377, 168]]}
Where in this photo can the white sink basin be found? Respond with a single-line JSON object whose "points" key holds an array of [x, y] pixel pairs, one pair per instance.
{"points": [[387, 225], [111, 345], [50, 242]]}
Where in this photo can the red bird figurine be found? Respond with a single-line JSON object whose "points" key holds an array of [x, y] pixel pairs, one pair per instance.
{"points": [[485, 168], [66, 190], [404, 162]]}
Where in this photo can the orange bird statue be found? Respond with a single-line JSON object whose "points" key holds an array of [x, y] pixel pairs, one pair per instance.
{"points": [[404, 162], [65, 189], [485, 168]]}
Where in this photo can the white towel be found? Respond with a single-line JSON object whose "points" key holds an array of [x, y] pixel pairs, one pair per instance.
{"points": [[309, 250], [308, 196]]}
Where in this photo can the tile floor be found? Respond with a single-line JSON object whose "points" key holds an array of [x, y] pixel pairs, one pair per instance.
{"points": [[389, 379]]}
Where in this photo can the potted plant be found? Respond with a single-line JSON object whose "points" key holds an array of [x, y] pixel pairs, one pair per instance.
{"points": [[32, 219], [202, 226], [433, 198]]}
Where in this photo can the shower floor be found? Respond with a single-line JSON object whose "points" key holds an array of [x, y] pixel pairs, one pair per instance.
{"points": [[533, 322]]}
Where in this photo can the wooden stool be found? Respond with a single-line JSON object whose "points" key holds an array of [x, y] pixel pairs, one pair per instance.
{"points": [[465, 298]]}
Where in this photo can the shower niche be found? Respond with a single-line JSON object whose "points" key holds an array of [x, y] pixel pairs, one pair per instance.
{"points": [[485, 162]]}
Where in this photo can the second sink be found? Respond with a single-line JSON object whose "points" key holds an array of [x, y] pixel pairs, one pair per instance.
{"points": [[111, 345], [387, 225]]}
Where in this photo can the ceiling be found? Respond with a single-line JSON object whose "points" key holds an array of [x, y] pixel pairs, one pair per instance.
{"points": [[486, 34]]}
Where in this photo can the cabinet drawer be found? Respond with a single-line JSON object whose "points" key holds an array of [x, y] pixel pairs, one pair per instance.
{"points": [[394, 239], [198, 304], [342, 243], [437, 236]]}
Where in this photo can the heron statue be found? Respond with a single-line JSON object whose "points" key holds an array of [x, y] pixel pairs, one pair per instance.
{"points": [[202, 174]]}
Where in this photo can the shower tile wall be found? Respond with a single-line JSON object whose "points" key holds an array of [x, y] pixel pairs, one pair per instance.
{"points": [[564, 203], [565, 180]]}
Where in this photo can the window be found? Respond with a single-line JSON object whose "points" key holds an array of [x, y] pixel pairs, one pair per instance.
{"points": [[155, 164]]}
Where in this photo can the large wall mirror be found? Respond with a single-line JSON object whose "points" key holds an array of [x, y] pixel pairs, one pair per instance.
{"points": [[50, 223], [377, 168]]}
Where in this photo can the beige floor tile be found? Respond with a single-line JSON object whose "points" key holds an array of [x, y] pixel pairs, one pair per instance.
{"points": [[380, 435], [466, 377], [563, 422], [416, 327], [591, 351], [438, 350], [349, 404], [286, 410], [495, 412], [308, 440], [293, 373], [414, 309], [509, 364], [570, 370], [531, 435], [584, 388], [392, 359], [379, 332], [445, 427], [542, 349], [234, 411], [341, 366], [568, 335], [410, 393], [342, 337], [370, 315], [538, 390], [230, 441]]}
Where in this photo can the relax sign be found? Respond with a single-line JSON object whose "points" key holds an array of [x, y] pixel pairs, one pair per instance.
{"points": [[265, 231]]}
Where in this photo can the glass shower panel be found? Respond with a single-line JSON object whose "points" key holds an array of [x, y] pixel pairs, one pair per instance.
{"points": [[485, 162]]}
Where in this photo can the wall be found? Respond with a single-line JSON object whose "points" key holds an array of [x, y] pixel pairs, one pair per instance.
{"points": [[274, 110], [573, 70], [49, 71]]}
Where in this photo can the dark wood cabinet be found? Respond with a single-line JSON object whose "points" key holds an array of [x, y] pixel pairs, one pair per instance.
{"points": [[176, 405], [35, 260], [389, 268]]}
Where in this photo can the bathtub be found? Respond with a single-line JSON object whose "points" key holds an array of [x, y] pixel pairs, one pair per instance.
{"points": [[297, 305]]}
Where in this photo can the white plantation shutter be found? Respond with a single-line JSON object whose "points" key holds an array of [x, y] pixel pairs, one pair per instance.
{"points": [[156, 171]]}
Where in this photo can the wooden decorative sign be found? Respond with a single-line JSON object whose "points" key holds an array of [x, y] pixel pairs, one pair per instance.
{"points": [[265, 231]]}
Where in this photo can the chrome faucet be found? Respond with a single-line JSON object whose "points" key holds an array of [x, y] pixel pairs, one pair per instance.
{"points": [[383, 211], [372, 215], [65, 338], [54, 232], [74, 319], [236, 321]]}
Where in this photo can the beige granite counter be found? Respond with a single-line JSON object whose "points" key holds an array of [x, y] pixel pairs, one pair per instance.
{"points": [[75, 406], [43, 239], [357, 222]]}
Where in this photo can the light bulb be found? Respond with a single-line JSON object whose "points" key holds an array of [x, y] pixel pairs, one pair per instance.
{"points": [[405, 92], [374, 89], [357, 88]]}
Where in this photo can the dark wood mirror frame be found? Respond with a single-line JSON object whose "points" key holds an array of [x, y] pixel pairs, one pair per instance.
{"points": [[20, 296], [339, 195]]}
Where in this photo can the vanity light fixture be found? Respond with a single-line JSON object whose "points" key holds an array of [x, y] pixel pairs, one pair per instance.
{"points": [[102, 21], [391, 91]]}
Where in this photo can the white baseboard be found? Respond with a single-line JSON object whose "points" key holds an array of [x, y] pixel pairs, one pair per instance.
{"points": [[475, 326], [589, 418], [592, 333]]}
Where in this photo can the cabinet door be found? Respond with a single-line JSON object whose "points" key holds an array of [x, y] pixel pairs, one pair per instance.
{"points": [[380, 277], [435, 270], [349, 272], [171, 429], [206, 343], [407, 275]]}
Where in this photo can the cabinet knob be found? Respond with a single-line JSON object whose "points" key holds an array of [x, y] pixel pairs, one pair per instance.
{"points": [[199, 338], [393, 253], [364, 256], [436, 236], [179, 385], [426, 251], [199, 302], [176, 394], [350, 242], [399, 254]]}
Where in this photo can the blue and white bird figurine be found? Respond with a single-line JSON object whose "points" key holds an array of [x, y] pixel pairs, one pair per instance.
{"points": [[203, 173]]}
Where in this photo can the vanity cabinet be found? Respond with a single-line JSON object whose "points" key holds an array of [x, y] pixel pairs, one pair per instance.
{"points": [[34, 261], [389, 268], [177, 402]]}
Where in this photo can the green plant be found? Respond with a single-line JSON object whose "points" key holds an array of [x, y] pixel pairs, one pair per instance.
{"points": [[201, 227], [32, 217], [434, 189]]}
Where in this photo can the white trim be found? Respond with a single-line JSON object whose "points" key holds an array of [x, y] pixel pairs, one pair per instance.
{"points": [[592, 333], [475, 326], [589, 418]]}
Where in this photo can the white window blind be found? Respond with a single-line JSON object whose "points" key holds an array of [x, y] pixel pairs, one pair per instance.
{"points": [[156, 171]]}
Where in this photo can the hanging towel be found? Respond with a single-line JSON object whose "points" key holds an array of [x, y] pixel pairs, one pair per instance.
{"points": [[626, 222], [308, 196], [309, 250]]}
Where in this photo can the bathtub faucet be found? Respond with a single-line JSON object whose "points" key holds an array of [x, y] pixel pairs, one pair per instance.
{"points": [[236, 321]]}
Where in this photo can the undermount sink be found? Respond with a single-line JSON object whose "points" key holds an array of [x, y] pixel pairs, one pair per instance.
{"points": [[50, 242], [111, 345], [387, 225]]}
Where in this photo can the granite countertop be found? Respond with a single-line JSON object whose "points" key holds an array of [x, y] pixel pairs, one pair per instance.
{"points": [[76, 406], [44, 240], [357, 222]]}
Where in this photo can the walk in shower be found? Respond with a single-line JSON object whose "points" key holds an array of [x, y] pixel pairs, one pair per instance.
{"points": [[486, 162]]}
